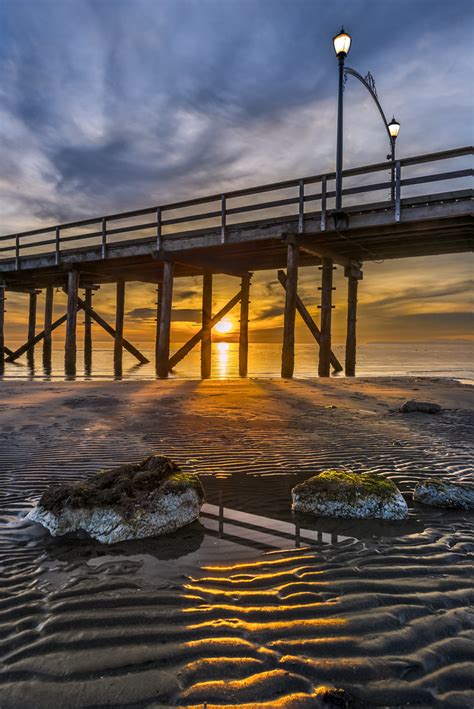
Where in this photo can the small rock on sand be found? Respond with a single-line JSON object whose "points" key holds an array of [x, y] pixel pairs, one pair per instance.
{"points": [[341, 493], [132, 501], [440, 493], [425, 407]]}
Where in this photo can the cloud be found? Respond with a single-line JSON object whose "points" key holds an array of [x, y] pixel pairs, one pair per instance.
{"points": [[189, 315], [424, 293], [142, 313]]}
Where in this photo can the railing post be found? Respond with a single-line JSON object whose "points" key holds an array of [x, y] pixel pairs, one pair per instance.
{"points": [[323, 202], [159, 243], [301, 207], [104, 237], [17, 252], [57, 244], [398, 189], [223, 219]]}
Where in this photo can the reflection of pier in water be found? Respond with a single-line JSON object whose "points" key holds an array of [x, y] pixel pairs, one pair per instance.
{"points": [[263, 533]]}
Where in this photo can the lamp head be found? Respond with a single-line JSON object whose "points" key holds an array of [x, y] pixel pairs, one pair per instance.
{"points": [[342, 43], [394, 128]]}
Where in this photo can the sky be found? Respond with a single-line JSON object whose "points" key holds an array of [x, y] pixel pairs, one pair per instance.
{"points": [[109, 105]]}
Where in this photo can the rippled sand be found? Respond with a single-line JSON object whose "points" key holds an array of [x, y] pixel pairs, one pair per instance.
{"points": [[249, 607]]}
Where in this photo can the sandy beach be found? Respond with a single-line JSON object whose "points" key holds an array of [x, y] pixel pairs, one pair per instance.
{"points": [[249, 607]]}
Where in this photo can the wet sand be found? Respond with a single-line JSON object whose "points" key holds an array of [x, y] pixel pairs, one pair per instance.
{"points": [[250, 606]]}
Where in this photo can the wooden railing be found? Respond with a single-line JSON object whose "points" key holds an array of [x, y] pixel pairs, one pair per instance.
{"points": [[53, 240]]}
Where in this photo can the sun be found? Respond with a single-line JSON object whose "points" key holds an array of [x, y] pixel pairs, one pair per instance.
{"points": [[224, 326]]}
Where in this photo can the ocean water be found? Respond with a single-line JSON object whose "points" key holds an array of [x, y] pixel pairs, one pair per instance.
{"points": [[453, 360]]}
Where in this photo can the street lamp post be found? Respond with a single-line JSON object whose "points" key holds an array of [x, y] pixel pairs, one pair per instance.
{"points": [[342, 44]]}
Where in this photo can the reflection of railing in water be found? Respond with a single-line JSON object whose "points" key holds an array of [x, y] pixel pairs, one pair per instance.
{"points": [[261, 532]]}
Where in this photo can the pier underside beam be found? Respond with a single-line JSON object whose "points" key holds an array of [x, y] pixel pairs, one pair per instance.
{"points": [[71, 322], [244, 325], [162, 363], [288, 352], [353, 278], [206, 339], [326, 317], [309, 322], [193, 341]]}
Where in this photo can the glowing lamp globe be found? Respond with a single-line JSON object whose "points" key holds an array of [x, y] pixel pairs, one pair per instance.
{"points": [[342, 43], [394, 128]]}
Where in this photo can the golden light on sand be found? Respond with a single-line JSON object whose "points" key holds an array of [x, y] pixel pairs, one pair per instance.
{"points": [[224, 326]]}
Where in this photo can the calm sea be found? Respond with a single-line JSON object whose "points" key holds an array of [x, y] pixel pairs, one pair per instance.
{"points": [[453, 360]]}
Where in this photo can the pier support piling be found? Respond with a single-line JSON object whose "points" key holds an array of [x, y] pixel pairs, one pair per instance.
{"points": [[88, 292], [33, 300], [244, 325], [354, 275], [32, 305], [309, 322], [71, 322], [2, 328], [159, 300], [288, 352], [206, 340], [326, 317], [119, 318], [162, 364], [48, 320]]}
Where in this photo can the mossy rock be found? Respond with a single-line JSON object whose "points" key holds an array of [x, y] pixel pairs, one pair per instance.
{"points": [[342, 493], [131, 501], [446, 494]]}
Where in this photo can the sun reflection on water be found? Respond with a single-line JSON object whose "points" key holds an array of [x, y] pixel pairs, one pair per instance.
{"points": [[223, 359]]}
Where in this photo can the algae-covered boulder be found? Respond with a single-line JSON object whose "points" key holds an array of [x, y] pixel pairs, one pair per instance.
{"points": [[342, 493], [132, 501], [441, 493], [422, 407]]}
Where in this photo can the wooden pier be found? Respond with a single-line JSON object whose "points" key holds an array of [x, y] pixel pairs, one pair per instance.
{"points": [[291, 229]]}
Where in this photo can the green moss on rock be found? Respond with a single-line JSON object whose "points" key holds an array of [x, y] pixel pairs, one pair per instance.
{"points": [[124, 488], [342, 493], [347, 484]]}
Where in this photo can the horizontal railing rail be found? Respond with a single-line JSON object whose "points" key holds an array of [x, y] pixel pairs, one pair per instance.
{"points": [[218, 218]]}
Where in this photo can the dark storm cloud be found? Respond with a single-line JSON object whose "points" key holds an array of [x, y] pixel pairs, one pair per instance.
{"points": [[109, 105]]}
